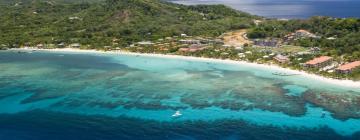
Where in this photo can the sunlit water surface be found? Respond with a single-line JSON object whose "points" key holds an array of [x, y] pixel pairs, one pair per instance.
{"points": [[48, 95]]}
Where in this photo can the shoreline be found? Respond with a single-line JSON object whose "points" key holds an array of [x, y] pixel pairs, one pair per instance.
{"points": [[345, 83]]}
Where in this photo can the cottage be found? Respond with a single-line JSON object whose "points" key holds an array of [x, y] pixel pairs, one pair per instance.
{"points": [[226, 46], [164, 49], [75, 45], [248, 52], [348, 68], [319, 62], [281, 58], [331, 38], [257, 22], [61, 45], [107, 48], [74, 18], [3, 47], [288, 38], [40, 45], [241, 55], [238, 48]]}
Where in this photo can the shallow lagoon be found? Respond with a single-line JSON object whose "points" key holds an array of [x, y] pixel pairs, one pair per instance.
{"points": [[135, 90]]}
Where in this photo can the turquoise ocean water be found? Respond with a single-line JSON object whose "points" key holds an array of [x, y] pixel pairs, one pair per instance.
{"points": [[62, 95]]}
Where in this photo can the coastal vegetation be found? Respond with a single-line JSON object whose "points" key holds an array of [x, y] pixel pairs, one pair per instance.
{"points": [[156, 26], [96, 25], [339, 36]]}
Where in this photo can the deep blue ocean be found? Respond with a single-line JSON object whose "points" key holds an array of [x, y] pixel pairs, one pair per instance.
{"points": [[97, 96], [289, 9]]}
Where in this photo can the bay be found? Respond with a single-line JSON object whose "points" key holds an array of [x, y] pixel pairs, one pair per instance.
{"points": [[289, 9]]}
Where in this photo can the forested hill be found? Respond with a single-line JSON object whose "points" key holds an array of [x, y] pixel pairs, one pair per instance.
{"points": [[12, 2], [96, 24]]}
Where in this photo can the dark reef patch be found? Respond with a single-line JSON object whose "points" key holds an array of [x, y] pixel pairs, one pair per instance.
{"points": [[343, 105], [41, 125]]}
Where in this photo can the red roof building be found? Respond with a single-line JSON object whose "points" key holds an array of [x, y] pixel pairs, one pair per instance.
{"points": [[348, 68], [184, 49], [319, 62]]}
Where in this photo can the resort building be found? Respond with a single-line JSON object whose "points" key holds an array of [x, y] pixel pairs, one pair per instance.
{"points": [[193, 48], [319, 62], [298, 35], [281, 59], [348, 68], [266, 42], [304, 34]]}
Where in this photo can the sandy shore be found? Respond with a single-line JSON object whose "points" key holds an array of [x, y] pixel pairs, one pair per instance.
{"points": [[346, 83]]}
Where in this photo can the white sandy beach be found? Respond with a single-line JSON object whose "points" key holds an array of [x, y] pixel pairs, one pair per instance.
{"points": [[346, 83]]}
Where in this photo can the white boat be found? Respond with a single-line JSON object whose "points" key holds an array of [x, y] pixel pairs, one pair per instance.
{"points": [[177, 114]]}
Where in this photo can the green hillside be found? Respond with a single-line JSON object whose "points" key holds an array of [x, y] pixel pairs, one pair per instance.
{"points": [[97, 24]]}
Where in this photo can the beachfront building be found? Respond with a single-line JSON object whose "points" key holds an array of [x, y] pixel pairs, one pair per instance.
{"points": [[61, 45], [319, 62], [241, 55], [40, 45], [348, 68], [75, 45], [281, 59], [145, 43]]}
